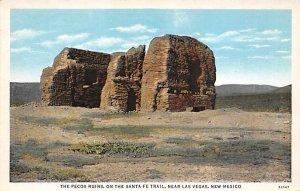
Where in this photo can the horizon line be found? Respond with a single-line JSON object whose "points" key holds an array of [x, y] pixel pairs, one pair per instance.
{"points": [[215, 85]]}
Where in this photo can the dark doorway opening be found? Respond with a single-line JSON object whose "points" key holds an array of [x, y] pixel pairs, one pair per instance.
{"points": [[197, 109], [195, 71], [90, 76], [131, 102]]}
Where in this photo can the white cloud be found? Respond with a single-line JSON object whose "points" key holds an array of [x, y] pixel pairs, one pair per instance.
{"points": [[227, 48], [252, 38], [25, 34], [48, 43], [247, 30], [210, 34], [259, 45], [270, 32], [271, 39], [101, 42], [235, 35], [282, 52], [25, 49], [135, 28], [196, 34], [209, 39], [213, 38], [228, 34], [261, 57], [114, 43], [243, 36], [21, 49], [72, 38], [285, 40], [65, 38]]}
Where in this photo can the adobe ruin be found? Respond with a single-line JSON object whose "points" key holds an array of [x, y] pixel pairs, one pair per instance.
{"points": [[75, 79], [122, 90], [176, 74]]}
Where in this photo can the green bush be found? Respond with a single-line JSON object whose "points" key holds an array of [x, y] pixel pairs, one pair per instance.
{"points": [[115, 148]]}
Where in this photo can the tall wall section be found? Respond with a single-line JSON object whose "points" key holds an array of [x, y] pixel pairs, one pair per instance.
{"points": [[122, 90], [178, 74], [75, 79]]}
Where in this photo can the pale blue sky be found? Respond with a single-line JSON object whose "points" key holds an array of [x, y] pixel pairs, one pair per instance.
{"points": [[250, 46]]}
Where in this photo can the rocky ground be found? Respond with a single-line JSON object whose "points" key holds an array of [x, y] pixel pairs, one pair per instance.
{"points": [[80, 144]]}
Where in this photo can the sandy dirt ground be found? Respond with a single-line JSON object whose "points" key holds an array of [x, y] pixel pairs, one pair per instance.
{"points": [[56, 143]]}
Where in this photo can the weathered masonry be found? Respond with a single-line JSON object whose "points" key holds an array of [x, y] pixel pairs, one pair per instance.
{"points": [[75, 79], [176, 74], [122, 90]]}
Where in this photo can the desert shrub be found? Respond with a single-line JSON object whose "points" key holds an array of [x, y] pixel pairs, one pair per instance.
{"points": [[233, 151], [81, 126], [59, 144], [31, 148], [181, 141], [72, 160], [154, 174], [115, 148], [37, 120], [68, 174], [19, 167], [42, 173], [45, 121], [177, 151], [68, 124], [140, 131]]}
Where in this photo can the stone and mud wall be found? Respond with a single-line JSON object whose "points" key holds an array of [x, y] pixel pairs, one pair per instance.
{"points": [[75, 79], [122, 90], [176, 74]]}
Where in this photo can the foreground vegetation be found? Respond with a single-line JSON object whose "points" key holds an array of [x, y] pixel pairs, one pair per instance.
{"points": [[90, 145]]}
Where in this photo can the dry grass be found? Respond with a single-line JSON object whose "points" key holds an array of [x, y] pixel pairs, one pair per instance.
{"points": [[98, 146], [69, 174]]}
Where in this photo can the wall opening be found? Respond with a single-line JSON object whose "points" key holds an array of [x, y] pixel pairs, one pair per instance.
{"points": [[194, 70], [198, 109], [90, 76], [131, 102]]}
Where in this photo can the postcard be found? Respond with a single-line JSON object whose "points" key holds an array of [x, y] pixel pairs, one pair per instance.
{"points": [[130, 95]]}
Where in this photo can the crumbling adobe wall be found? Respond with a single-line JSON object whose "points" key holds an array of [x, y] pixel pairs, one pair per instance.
{"points": [[122, 90], [75, 79], [178, 73]]}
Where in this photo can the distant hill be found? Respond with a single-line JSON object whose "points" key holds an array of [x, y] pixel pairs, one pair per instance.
{"points": [[247, 97], [239, 89], [285, 89], [268, 102], [262, 98], [21, 93]]}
